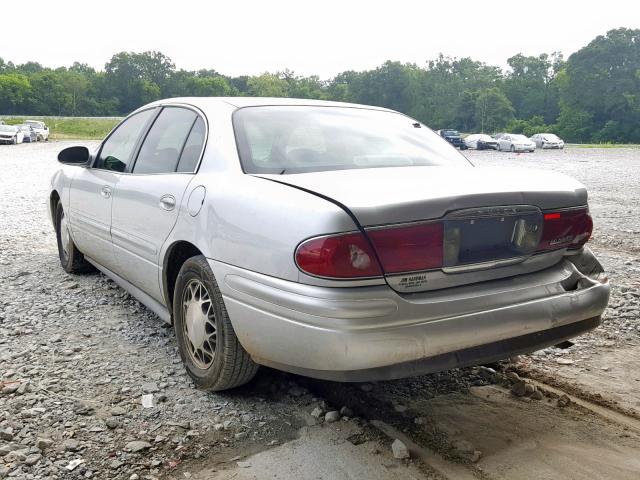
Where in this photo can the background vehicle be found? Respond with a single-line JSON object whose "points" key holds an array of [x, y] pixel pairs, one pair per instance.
{"points": [[513, 142], [29, 133], [331, 240], [453, 137], [40, 128], [547, 140], [10, 134], [481, 141]]}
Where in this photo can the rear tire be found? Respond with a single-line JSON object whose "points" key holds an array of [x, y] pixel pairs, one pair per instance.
{"points": [[513, 149], [71, 259], [208, 345]]}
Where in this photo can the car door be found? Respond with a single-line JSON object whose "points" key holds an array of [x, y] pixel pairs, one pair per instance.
{"points": [[91, 191], [146, 201]]}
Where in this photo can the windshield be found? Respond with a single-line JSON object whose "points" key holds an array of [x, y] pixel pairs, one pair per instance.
{"points": [[7, 128], [550, 137], [33, 123], [451, 133], [24, 128], [295, 139], [519, 138]]}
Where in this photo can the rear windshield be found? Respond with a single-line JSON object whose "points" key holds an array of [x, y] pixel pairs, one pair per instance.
{"points": [[296, 139]]}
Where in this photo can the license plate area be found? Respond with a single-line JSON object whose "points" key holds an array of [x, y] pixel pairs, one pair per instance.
{"points": [[491, 235]]}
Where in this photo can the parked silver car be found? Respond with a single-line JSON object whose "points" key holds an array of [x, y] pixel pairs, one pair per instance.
{"points": [[337, 241], [547, 140], [515, 142]]}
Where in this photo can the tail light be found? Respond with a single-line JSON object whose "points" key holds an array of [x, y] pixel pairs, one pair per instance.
{"points": [[409, 248], [338, 256], [399, 249], [424, 246], [566, 229]]}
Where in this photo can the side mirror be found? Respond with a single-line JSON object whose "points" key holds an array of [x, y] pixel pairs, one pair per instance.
{"points": [[74, 156]]}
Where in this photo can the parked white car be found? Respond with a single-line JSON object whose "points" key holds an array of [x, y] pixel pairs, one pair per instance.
{"points": [[547, 140], [11, 134], [41, 129], [513, 142], [481, 141], [339, 241]]}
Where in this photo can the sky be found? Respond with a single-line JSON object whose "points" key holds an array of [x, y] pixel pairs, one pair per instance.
{"points": [[321, 38]]}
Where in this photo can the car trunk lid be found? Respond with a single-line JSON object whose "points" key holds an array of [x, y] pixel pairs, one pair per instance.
{"points": [[492, 218]]}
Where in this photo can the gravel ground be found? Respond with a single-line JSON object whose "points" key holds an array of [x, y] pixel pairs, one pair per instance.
{"points": [[606, 361], [77, 354]]}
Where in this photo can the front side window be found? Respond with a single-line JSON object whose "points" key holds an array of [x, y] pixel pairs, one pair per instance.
{"points": [[165, 141], [296, 139], [118, 149]]}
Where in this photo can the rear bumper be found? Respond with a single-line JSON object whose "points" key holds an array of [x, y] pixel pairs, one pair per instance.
{"points": [[369, 333]]}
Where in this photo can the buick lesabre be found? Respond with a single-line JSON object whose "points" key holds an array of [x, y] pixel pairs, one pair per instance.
{"points": [[332, 240]]}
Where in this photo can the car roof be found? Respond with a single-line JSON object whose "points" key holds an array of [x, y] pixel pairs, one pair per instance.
{"points": [[241, 102]]}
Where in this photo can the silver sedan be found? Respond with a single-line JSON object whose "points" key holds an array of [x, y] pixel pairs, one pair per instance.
{"points": [[513, 142], [337, 241]]}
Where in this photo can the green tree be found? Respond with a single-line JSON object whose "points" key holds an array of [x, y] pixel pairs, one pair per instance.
{"points": [[600, 89], [137, 78], [210, 87], [267, 85], [493, 110], [14, 90], [530, 85]]}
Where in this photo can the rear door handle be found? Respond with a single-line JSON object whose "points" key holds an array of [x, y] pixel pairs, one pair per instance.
{"points": [[105, 191], [167, 202]]}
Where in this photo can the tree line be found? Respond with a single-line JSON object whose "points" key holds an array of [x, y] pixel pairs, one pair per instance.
{"points": [[592, 96]]}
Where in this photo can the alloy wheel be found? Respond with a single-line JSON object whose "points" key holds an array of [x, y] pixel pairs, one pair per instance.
{"points": [[199, 324]]}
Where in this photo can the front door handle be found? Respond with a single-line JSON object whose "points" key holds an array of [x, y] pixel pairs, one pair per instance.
{"points": [[105, 191], [167, 202]]}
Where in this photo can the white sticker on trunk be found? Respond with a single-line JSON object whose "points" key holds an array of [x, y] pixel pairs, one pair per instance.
{"points": [[413, 281]]}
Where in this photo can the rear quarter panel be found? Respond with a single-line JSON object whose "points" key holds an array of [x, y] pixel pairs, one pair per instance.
{"points": [[254, 223]]}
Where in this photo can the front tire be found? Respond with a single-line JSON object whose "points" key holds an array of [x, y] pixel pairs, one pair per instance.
{"points": [[208, 345], [71, 259]]}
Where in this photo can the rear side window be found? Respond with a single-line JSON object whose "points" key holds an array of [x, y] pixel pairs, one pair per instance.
{"points": [[161, 150], [117, 150], [193, 147]]}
